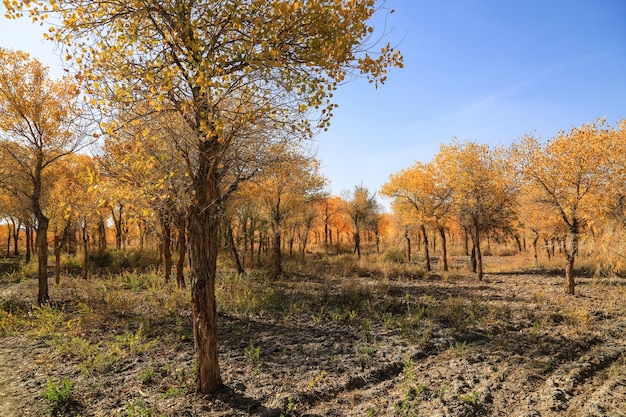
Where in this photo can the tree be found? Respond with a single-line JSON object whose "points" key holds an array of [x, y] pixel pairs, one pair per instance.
{"points": [[283, 190], [39, 124], [428, 192], [231, 70], [483, 192], [567, 176], [362, 207]]}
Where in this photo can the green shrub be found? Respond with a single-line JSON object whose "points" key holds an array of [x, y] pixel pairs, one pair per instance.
{"points": [[58, 397]]}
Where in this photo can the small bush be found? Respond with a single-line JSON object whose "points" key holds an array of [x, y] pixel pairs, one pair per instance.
{"points": [[59, 397]]}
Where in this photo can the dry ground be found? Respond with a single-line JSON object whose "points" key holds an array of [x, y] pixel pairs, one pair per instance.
{"points": [[512, 345]]}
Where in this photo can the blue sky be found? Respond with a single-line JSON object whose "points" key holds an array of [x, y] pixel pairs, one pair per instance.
{"points": [[487, 71]]}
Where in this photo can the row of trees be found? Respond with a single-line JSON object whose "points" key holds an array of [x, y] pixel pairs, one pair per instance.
{"points": [[555, 190]]}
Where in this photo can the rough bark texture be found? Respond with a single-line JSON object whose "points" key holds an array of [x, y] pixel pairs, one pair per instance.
{"points": [[203, 242], [42, 259]]}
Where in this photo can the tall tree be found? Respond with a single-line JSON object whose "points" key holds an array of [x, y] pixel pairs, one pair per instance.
{"points": [[428, 192], [361, 207], [39, 124], [567, 175], [483, 192], [230, 69]]}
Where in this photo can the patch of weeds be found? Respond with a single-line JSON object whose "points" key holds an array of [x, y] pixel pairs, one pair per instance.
{"points": [[47, 321], [184, 380], [147, 376], [317, 318], [412, 391], [388, 320], [139, 409], [11, 324], [536, 329], [59, 397], [460, 349], [469, 398], [316, 379], [134, 342], [253, 353], [548, 367]]}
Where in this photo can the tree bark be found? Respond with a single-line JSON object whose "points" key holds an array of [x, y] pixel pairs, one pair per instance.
{"points": [[203, 242], [571, 249]]}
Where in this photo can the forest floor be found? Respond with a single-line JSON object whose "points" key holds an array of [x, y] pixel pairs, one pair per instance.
{"points": [[360, 345]]}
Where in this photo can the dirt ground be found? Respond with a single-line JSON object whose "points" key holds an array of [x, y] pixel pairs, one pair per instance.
{"points": [[512, 345]]}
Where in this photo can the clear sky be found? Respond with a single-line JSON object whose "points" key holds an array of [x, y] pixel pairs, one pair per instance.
{"points": [[484, 70]]}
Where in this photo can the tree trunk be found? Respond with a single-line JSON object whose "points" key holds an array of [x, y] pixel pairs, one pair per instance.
{"points": [[42, 258], [102, 235], [444, 248], [28, 232], [357, 244], [166, 246], [85, 241], [408, 247], [57, 259], [571, 249], [278, 262], [535, 241], [426, 250], [203, 242], [16, 238], [479, 256], [233, 247], [182, 249]]}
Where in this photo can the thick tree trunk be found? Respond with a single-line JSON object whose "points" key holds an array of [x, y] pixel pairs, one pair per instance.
{"points": [[203, 242], [444, 248], [426, 250]]}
